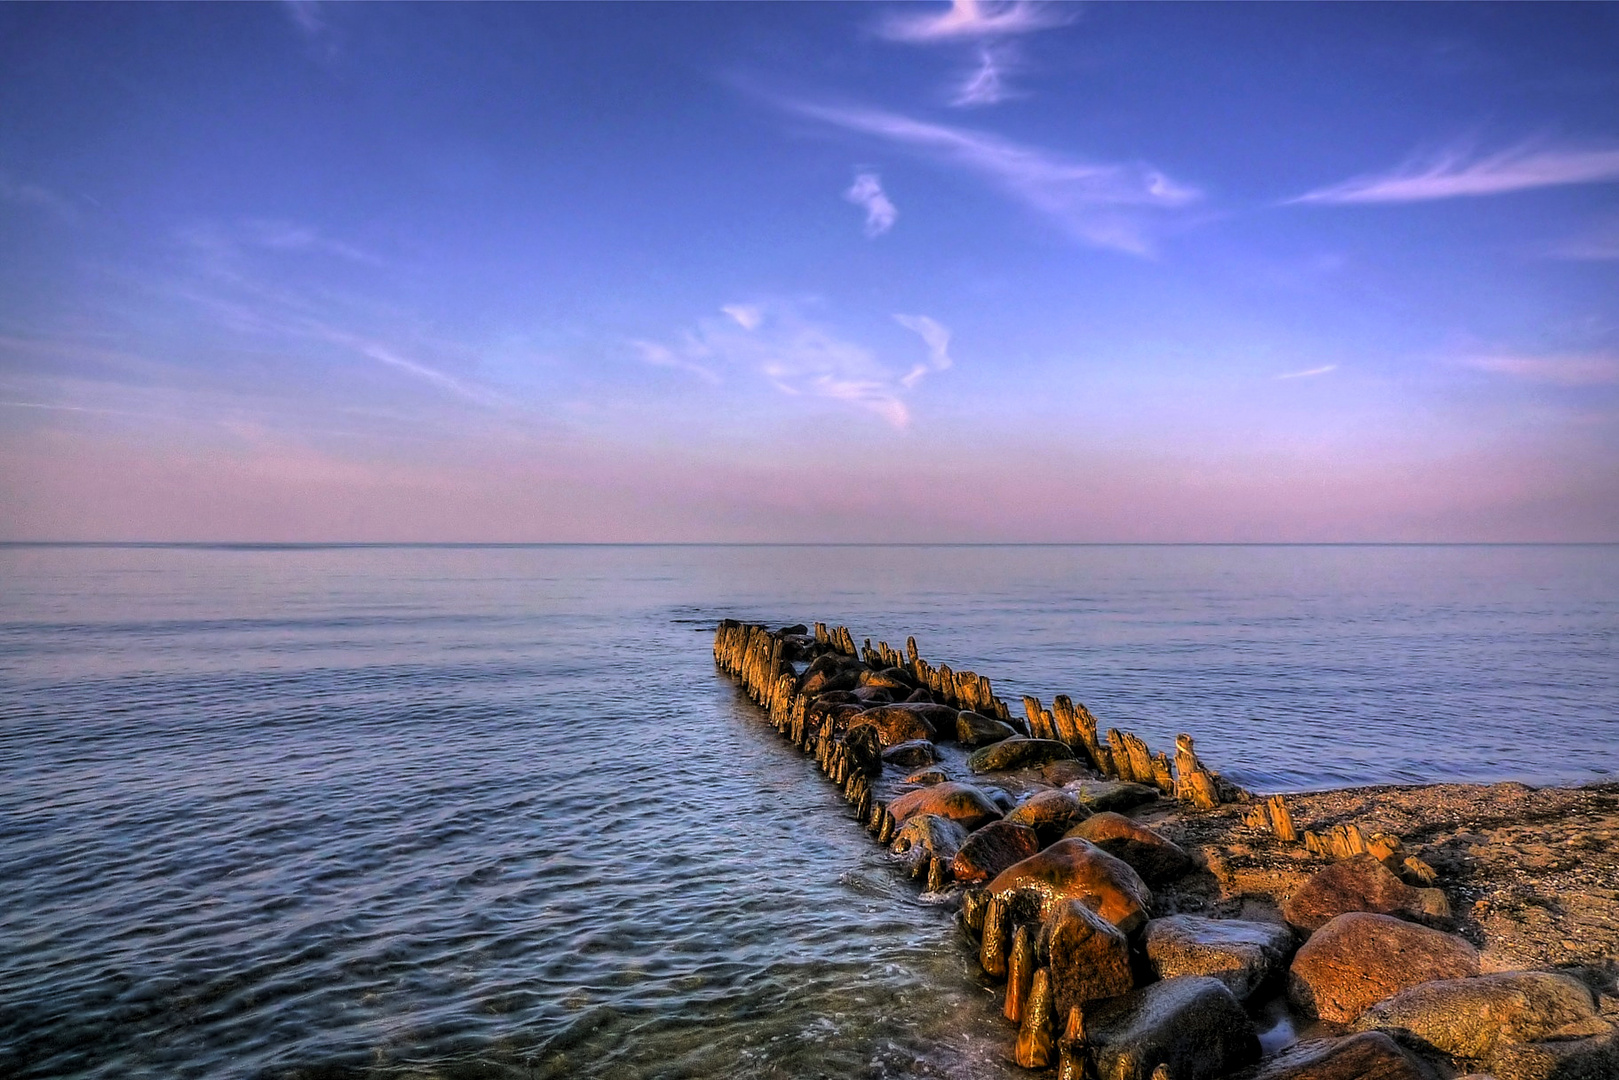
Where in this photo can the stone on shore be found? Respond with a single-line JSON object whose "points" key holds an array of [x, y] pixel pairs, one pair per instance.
{"points": [[926, 837], [991, 849], [1017, 752], [1153, 857], [976, 729], [1359, 959], [1584, 1051], [888, 679], [829, 672], [1078, 870], [927, 776], [895, 724], [1062, 773], [1089, 957], [1470, 1018], [911, 754], [1100, 795], [1050, 813], [1371, 1055], [961, 803], [1361, 883], [865, 747], [1191, 1025], [1243, 955]]}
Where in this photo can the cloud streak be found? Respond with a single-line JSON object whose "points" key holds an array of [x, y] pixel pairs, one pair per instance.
{"points": [[1322, 370], [1454, 174], [1597, 369], [1098, 203], [972, 19], [986, 83], [937, 340], [867, 193]]}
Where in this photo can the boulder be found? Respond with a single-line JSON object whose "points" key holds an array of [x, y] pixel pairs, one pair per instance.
{"points": [[1077, 870], [1358, 959], [1017, 752], [830, 672], [1191, 1025], [1361, 883], [865, 747], [1585, 1051], [895, 724], [1065, 772], [1099, 795], [1050, 813], [893, 679], [926, 776], [928, 836], [961, 803], [1371, 1055], [1088, 956], [873, 695], [920, 696], [976, 729], [1243, 955], [991, 849], [1470, 1018], [1154, 858], [911, 754]]}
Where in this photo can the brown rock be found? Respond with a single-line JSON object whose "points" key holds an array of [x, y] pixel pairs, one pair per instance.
{"points": [[1153, 857], [991, 849], [1370, 1055], [888, 679], [1099, 795], [1360, 884], [1587, 1057], [1191, 1026], [1050, 813], [911, 754], [1015, 753], [927, 776], [1089, 957], [894, 724], [927, 836], [1078, 870], [1243, 955], [829, 672], [961, 803], [1470, 1018], [975, 729], [1358, 959], [1065, 772]]}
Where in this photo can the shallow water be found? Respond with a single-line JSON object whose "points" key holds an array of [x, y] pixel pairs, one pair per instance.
{"points": [[477, 811]]}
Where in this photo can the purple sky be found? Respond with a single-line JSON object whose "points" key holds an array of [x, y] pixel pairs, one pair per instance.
{"points": [[809, 272]]}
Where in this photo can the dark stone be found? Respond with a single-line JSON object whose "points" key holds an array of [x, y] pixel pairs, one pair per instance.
{"points": [[919, 696], [911, 754], [928, 836], [1361, 883], [1015, 753], [1470, 1018], [1100, 795], [865, 749], [1243, 955], [961, 803], [830, 672], [1370, 1055], [888, 679], [1154, 858], [1050, 813], [896, 724], [991, 849], [1089, 957], [1077, 870], [873, 695], [1192, 1025], [1358, 959], [1568, 1057], [976, 729], [1065, 772], [926, 776]]}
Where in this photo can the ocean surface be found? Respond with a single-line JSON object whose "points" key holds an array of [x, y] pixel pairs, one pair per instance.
{"points": [[336, 812]]}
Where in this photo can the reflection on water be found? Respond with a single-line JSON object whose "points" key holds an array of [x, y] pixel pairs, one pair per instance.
{"points": [[442, 811]]}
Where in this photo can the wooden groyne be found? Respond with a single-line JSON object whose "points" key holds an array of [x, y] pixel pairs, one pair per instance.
{"points": [[1124, 955]]}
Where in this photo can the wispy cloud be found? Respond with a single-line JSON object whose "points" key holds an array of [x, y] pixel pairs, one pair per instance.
{"points": [[985, 84], [1455, 174], [867, 193], [747, 316], [969, 19], [663, 356], [290, 236], [306, 15], [1098, 203], [1322, 370], [1591, 369], [937, 340], [35, 196]]}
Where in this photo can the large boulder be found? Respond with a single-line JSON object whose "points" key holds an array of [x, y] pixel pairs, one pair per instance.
{"points": [[1470, 1018], [865, 747], [1062, 773], [928, 836], [1077, 870], [1088, 956], [926, 776], [976, 729], [1099, 795], [1371, 1055], [911, 754], [1243, 955], [1358, 959], [893, 679], [1016, 753], [1191, 1024], [830, 672], [961, 803], [1588, 1050], [991, 849], [1154, 858], [1050, 812], [1361, 883], [895, 724]]}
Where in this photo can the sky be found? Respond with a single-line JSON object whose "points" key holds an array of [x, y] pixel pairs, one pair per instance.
{"points": [[809, 272]]}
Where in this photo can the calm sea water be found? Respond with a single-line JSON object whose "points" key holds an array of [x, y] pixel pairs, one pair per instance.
{"points": [[428, 812]]}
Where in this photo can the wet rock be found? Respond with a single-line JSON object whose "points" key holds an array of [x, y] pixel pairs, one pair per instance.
{"points": [[926, 776], [910, 754], [1243, 955], [1153, 857], [926, 837], [1371, 1055], [991, 849], [865, 747], [830, 672], [1065, 772], [1100, 795], [1361, 884], [919, 696], [1077, 870], [1089, 957], [797, 629], [893, 679], [896, 724], [961, 803], [975, 729], [1470, 1018], [1574, 1057], [1050, 813], [1015, 753], [1358, 959], [873, 695], [1191, 1025]]}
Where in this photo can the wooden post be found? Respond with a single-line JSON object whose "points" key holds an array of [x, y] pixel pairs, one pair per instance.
{"points": [[1034, 1037], [1019, 973], [992, 952]]}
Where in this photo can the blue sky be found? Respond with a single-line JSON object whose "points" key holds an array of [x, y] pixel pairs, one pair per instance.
{"points": [[824, 272]]}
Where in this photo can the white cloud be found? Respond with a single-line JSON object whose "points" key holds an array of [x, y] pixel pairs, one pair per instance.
{"points": [[663, 356], [1453, 174], [867, 193], [986, 83], [969, 19], [1099, 203], [1597, 369], [1322, 370], [746, 316], [935, 337]]}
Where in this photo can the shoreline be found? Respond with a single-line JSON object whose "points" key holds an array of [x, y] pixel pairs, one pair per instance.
{"points": [[1045, 831]]}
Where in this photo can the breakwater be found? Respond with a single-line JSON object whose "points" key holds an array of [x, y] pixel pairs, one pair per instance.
{"points": [[1120, 949]]}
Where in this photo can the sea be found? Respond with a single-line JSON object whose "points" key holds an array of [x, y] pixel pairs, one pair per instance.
{"points": [[314, 811]]}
